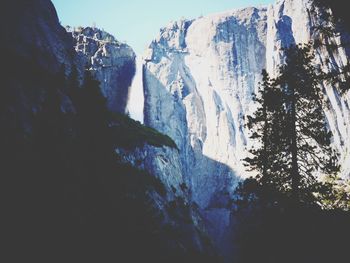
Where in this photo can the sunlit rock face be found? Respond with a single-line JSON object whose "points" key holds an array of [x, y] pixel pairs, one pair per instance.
{"points": [[198, 79], [199, 76], [112, 63], [293, 22]]}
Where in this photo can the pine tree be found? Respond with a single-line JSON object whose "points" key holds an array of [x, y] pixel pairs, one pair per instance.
{"points": [[290, 128], [306, 131], [266, 125], [336, 195], [260, 132]]}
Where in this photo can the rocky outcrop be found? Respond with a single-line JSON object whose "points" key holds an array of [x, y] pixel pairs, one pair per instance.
{"points": [[32, 31], [292, 22], [62, 182], [178, 211], [163, 162], [32, 34], [198, 78], [112, 63], [35, 49]]}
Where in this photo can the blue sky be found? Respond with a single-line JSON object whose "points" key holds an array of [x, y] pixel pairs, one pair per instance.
{"points": [[137, 22]]}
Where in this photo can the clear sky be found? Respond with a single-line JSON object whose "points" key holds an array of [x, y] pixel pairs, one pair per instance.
{"points": [[137, 22]]}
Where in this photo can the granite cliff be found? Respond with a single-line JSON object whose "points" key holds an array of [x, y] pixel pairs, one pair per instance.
{"points": [[198, 79], [112, 63], [72, 192]]}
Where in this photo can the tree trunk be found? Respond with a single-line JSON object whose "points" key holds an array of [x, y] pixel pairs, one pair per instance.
{"points": [[294, 149], [265, 159]]}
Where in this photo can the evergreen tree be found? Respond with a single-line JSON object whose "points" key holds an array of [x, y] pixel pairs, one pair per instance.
{"points": [[306, 131], [260, 160], [266, 124], [290, 127], [279, 212], [337, 194]]}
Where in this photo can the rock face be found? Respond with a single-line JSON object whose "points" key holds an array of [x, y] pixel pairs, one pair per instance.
{"points": [[32, 30], [198, 77], [36, 49], [36, 38], [176, 208], [32, 42], [292, 22], [112, 62], [163, 162]]}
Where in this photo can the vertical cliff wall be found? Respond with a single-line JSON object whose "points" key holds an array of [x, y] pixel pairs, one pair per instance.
{"points": [[111, 62], [293, 22], [198, 78], [67, 194]]}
